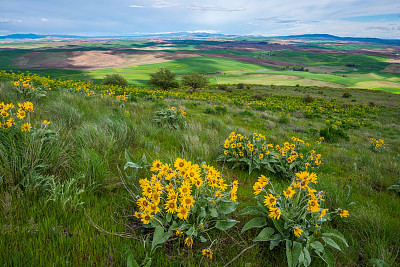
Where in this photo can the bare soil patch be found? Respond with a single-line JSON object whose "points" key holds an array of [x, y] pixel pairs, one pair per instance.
{"points": [[90, 60], [394, 68]]}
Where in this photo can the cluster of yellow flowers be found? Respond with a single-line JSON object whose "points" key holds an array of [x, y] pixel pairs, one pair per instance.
{"points": [[377, 142], [175, 189], [183, 113], [9, 116], [297, 193], [25, 83], [258, 151]]}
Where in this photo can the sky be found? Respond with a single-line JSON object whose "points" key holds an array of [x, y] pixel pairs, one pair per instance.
{"points": [[353, 18]]}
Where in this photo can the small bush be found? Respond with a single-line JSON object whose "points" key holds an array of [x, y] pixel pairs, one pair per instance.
{"points": [[308, 99], [332, 134], [115, 79], [195, 80], [283, 119], [240, 86], [164, 79], [346, 95], [224, 87], [246, 113], [172, 118]]}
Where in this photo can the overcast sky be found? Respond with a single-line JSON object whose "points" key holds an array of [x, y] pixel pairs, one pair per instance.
{"points": [[359, 18]]}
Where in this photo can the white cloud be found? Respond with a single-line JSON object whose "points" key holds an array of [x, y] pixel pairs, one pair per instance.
{"points": [[163, 4], [8, 20], [203, 31], [44, 19], [135, 6], [213, 8]]}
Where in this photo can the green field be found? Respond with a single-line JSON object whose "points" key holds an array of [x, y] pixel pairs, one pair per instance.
{"points": [[362, 71]]}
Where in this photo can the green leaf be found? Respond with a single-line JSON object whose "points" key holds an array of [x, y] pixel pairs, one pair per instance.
{"points": [[203, 239], [264, 235], [255, 223], [226, 206], [394, 187], [337, 234], [224, 225], [159, 236], [307, 257], [293, 252], [328, 258], [213, 213], [169, 217], [279, 226], [317, 246], [131, 262], [253, 210], [148, 264], [275, 240], [190, 231], [378, 263], [331, 243], [202, 214]]}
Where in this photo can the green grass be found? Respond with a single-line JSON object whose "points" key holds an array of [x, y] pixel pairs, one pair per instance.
{"points": [[139, 75], [94, 133], [364, 63]]}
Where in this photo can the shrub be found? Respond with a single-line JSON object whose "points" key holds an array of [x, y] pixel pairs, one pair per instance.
{"points": [[195, 80], [164, 79], [240, 86], [283, 119], [346, 95], [308, 99], [184, 200], [115, 79], [224, 87], [297, 220], [332, 134], [172, 118], [255, 152]]}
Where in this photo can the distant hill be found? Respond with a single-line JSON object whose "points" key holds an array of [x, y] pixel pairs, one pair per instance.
{"points": [[149, 35], [322, 37], [328, 37]]}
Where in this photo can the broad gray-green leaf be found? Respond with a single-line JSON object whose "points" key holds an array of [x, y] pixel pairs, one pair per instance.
{"points": [[255, 223], [213, 213], [378, 263], [331, 243], [307, 257], [275, 239], [203, 239], [317, 246], [293, 252], [337, 234], [253, 210], [225, 224], [264, 235], [159, 236], [328, 258], [226, 206]]}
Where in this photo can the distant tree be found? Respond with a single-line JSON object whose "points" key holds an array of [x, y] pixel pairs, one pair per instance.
{"points": [[195, 80], [163, 78], [115, 79]]}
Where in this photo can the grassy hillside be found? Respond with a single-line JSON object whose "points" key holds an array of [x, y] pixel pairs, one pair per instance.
{"points": [[64, 189]]}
